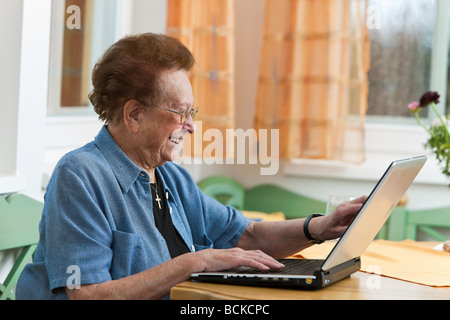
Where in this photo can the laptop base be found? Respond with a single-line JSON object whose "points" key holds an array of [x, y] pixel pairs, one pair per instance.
{"points": [[314, 281]]}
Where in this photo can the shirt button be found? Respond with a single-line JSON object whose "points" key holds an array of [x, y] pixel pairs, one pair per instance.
{"points": [[193, 248]]}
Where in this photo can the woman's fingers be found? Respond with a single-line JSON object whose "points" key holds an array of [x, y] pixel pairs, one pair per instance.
{"points": [[223, 259], [260, 260]]}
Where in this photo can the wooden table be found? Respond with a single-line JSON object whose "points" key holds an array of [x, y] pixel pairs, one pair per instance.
{"points": [[360, 286]]}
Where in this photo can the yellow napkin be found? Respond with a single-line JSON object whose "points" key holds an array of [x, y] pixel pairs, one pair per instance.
{"points": [[406, 260], [275, 216]]}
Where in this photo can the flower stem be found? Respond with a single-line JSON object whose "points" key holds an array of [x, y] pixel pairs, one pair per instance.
{"points": [[444, 124], [420, 122]]}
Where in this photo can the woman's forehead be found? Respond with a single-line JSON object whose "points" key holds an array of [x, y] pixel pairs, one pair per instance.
{"points": [[178, 87]]}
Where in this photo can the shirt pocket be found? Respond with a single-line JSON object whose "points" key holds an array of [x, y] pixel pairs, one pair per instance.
{"points": [[129, 256]]}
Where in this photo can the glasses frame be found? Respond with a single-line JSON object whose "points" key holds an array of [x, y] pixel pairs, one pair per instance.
{"points": [[192, 112]]}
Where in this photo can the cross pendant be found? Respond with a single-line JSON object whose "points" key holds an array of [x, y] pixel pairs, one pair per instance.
{"points": [[159, 201]]}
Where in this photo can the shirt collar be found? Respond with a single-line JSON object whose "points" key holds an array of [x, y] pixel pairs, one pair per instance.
{"points": [[125, 170]]}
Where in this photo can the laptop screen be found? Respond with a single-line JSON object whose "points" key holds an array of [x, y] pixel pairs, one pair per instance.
{"points": [[375, 211]]}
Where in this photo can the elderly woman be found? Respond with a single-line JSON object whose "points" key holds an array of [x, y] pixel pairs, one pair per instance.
{"points": [[121, 221]]}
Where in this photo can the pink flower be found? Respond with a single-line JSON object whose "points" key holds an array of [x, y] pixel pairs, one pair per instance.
{"points": [[438, 122], [414, 106]]}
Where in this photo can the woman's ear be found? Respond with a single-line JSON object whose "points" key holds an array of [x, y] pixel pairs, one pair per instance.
{"points": [[131, 115]]}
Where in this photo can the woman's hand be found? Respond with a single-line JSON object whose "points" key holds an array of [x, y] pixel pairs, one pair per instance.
{"points": [[223, 259], [333, 226]]}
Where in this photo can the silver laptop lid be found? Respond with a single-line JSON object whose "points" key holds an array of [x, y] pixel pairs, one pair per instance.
{"points": [[375, 211]]}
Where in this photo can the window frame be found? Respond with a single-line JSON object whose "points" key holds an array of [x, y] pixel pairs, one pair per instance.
{"points": [[397, 138], [105, 32], [440, 55]]}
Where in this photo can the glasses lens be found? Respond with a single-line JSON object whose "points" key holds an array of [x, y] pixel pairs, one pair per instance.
{"points": [[194, 113], [186, 113]]}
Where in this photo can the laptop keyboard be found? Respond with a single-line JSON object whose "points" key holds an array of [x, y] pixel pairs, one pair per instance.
{"points": [[293, 267]]}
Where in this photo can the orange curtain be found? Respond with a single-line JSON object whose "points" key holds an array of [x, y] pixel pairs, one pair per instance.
{"points": [[206, 27], [313, 83]]}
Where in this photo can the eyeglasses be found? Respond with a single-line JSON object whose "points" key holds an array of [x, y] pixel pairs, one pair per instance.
{"points": [[183, 114]]}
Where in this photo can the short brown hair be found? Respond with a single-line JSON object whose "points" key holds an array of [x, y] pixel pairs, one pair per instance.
{"points": [[131, 69]]}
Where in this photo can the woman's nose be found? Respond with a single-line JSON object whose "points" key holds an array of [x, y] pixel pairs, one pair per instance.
{"points": [[189, 125]]}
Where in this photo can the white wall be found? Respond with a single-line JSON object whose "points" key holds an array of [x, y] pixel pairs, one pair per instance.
{"points": [[149, 16], [25, 33], [10, 15]]}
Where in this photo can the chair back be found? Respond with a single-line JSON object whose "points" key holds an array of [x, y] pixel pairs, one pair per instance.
{"points": [[266, 198], [225, 190], [272, 198], [427, 221], [19, 229], [407, 224]]}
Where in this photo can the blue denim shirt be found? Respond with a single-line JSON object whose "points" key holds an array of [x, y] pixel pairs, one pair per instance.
{"points": [[98, 219]]}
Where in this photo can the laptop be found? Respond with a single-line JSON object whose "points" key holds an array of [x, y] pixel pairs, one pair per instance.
{"points": [[345, 257]]}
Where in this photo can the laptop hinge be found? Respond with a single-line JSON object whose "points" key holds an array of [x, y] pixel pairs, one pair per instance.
{"points": [[338, 272]]}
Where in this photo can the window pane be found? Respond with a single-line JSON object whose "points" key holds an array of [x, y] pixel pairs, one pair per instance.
{"points": [[77, 58], [400, 55], [81, 32]]}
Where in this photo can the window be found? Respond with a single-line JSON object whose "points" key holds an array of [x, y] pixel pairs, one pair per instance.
{"points": [[409, 55], [405, 58], [81, 32]]}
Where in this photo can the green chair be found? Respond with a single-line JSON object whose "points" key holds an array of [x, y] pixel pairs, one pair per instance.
{"points": [[406, 224], [264, 198], [19, 229], [225, 190], [270, 198]]}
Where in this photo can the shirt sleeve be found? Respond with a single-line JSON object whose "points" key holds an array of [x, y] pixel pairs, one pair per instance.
{"points": [[224, 224], [78, 236]]}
